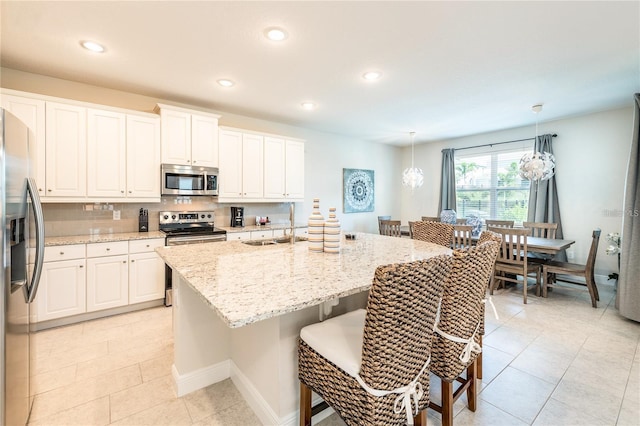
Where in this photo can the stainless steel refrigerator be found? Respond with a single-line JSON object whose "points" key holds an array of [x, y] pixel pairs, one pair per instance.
{"points": [[22, 229]]}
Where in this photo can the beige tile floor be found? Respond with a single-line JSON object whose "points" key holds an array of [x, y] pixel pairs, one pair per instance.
{"points": [[554, 361]]}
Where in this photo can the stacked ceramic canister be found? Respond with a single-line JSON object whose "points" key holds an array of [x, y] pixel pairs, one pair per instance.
{"points": [[316, 228], [332, 233]]}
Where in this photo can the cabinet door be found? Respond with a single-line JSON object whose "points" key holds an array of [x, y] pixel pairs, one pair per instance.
{"points": [[274, 169], [107, 282], [143, 157], [146, 277], [294, 170], [31, 112], [62, 290], [106, 153], [252, 166], [66, 150], [230, 164], [204, 141], [175, 137]]}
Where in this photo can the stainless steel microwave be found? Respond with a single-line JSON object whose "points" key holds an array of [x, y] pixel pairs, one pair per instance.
{"points": [[178, 179]]}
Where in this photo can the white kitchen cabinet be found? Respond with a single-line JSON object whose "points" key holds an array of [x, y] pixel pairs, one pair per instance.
{"points": [[143, 157], [188, 137], [66, 150], [146, 271], [107, 275], [238, 236], [32, 113], [241, 165], [283, 169], [62, 288], [106, 153]]}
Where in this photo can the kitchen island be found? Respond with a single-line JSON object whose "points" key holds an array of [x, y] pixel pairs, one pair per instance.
{"points": [[238, 309]]}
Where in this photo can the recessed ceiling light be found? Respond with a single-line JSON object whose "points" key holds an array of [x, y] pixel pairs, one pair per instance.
{"points": [[275, 34], [225, 82], [308, 105], [92, 46], [372, 75]]}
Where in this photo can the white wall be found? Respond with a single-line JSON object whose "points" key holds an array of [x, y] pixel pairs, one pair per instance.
{"points": [[326, 154], [591, 157]]}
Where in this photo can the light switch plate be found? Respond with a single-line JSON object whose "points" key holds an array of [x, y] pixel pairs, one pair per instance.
{"points": [[116, 215]]}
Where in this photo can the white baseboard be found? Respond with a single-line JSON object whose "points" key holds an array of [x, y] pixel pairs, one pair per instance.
{"points": [[187, 383]]}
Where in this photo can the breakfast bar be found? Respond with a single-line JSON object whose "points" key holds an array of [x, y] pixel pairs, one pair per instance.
{"points": [[238, 309]]}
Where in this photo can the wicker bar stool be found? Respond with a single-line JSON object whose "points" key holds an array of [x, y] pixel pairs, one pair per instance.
{"points": [[385, 348], [456, 339], [433, 232]]}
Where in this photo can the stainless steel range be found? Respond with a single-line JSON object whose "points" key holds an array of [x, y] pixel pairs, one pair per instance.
{"points": [[187, 228]]}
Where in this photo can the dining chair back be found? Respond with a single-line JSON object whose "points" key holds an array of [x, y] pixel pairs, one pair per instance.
{"points": [[462, 236], [433, 232], [512, 259], [352, 360], [541, 229], [380, 219], [585, 271], [461, 221], [430, 219], [456, 338], [390, 228], [499, 223], [411, 223]]}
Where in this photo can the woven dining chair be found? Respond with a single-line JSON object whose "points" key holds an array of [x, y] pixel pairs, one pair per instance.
{"points": [[462, 236], [484, 237], [456, 338], [513, 260], [433, 232], [390, 228], [584, 271], [380, 219], [353, 360], [499, 223], [430, 219]]}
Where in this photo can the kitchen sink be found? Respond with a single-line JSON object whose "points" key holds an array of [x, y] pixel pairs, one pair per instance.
{"points": [[280, 240]]}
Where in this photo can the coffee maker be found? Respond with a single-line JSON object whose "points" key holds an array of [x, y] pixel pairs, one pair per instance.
{"points": [[237, 217]]}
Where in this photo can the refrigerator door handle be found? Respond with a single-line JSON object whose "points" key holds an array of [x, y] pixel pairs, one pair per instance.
{"points": [[32, 189]]}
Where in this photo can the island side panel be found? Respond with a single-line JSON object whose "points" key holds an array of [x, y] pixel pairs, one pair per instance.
{"points": [[201, 341]]}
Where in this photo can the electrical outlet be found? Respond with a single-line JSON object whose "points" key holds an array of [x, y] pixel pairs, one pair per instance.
{"points": [[116, 215], [570, 254]]}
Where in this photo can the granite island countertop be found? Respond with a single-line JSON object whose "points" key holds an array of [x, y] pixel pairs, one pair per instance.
{"points": [[101, 238], [272, 226], [245, 284]]}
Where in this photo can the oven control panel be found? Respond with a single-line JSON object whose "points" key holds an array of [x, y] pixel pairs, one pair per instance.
{"points": [[186, 217]]}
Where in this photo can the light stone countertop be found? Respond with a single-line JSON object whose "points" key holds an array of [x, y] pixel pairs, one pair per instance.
{"points": [[249, 228], [246, 284], [101, 238]]}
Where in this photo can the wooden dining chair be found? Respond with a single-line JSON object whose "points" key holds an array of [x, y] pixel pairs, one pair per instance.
{"points": [[541, 229], [390, 228], [461, 221], [513, 260], [430, 219], [411, 228], [462, 236], [583, 271], [433, 232], [499, 223], [380, 219], [360, 362]]}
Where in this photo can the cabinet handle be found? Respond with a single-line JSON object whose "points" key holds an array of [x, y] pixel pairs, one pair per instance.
{"points": [[147, 245], [108, 249], [61, 253], [49, 190], [132, 260], [122, 192], [194, 161], [130, 192], [124, 261], [81, 266]]}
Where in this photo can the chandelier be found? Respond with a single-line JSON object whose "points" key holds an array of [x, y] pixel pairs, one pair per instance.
{"points": [[412, 176], [537, 166]]}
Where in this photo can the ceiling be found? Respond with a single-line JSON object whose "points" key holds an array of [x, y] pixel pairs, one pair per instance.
{"points": [[449, 69]]}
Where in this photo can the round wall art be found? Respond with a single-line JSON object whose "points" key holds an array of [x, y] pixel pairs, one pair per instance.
{"points": [[358, 190]]}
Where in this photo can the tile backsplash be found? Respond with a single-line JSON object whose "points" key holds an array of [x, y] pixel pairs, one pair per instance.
{"points": [[64, 219]]}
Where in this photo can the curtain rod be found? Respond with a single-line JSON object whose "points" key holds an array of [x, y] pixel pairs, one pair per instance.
{"points": [[499, 143]]}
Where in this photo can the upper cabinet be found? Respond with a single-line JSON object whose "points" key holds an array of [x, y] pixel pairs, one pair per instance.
{"points": [[257, 167], [106, 153], [188, 137], [143, 156]]}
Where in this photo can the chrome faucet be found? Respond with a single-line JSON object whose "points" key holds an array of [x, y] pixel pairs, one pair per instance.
{"points": [[292, 231]]}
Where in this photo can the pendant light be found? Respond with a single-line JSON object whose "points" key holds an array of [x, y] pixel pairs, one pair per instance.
{"points": [[412, 176], [537, 166]]}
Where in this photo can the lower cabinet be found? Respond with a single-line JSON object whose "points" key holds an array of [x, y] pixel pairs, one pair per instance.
{"points": [[81, 278]]}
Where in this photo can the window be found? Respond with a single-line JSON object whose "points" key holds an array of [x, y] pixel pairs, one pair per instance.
{"points": [[488, 185]]}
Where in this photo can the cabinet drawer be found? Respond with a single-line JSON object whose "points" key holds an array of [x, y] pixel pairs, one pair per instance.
{"points": [[259, 235], [69, 252], [278, 232], [107, 249], [143, 246], [238, 236]]}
